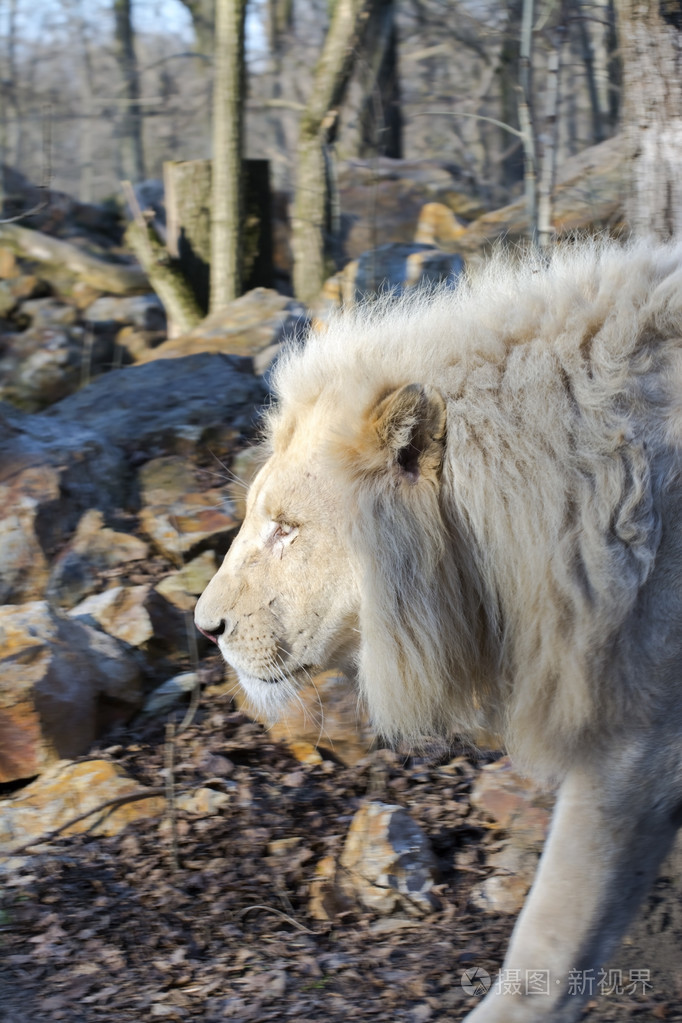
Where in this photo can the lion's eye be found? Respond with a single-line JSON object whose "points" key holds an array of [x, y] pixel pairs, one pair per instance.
{"points": [[283, 531]]}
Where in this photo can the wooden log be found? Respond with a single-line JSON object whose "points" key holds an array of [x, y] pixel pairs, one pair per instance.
{"points": [[114, 278]]}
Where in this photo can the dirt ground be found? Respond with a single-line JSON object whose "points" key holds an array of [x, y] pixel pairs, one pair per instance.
{"points": [[115, 930]]}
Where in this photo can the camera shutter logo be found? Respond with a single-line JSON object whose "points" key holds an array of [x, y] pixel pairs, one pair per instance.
{"points": [[475, 981]]}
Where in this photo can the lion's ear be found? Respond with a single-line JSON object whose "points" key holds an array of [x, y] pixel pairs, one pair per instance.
{"points": [[409, 425]]}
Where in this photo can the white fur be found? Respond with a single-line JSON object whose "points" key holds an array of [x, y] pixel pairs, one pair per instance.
{"points": [[482, 491]]}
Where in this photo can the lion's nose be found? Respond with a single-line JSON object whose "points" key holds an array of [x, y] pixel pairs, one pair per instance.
{"points": [[213, 633]]}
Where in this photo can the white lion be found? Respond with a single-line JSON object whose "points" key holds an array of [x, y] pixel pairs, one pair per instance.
{"points": [[472, 505]]}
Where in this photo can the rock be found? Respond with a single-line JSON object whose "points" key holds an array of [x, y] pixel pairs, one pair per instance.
{"points": [[254, 324], [136, 343], [326, 899], [93, 549], [523, 811], [120, 612], [27, 285], [178, 515], [47, 362], [145, 312], [7, 300], [136, 615], [66, 791], [24, 565], [45, 313], [165, 405], [204, 802], [395, 268], [61, 684], [82, 294], [515, 803], [167, 695], [387, 862], [438, 226], [505, 891], [182, 588], [9, 266]]}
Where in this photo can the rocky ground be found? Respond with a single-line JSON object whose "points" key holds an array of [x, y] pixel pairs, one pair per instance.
{"points": [[218, 915]]}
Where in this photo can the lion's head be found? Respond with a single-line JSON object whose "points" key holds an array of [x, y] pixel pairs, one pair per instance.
{"points": [[285, 602], [298, 591], [345, 555]]}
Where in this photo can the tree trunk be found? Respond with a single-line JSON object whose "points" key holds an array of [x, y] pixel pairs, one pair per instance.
{"points": [[14, 134], [512, 161], [549, 137], [132, 150], [82, 31], [587, 53], [651, 37], [526, 120], [203, 22], [614, 66], [167, 280], [227, 213], [380, 115], [311, 239]]}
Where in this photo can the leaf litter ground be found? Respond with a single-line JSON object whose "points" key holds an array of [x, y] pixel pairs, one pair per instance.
{"points": [[109, 929]]}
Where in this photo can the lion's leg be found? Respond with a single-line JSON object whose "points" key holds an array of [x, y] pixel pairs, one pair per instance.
{"points": [[604, 849]]}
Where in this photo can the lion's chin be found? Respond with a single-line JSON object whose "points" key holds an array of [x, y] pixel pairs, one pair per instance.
{"points": [[270, 697]]}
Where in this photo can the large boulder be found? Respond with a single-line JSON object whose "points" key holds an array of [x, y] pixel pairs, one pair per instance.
{"points": [[163, 406], [84, 453], [253, 325], [94, 796]]}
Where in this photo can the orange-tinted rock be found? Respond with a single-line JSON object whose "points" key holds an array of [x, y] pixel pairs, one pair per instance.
{"points": [[522, 811], [24, 571], [252, 325], [387, 861], [61, 684], [438, 225], [93, 549], [66, 791], [178, 515]]}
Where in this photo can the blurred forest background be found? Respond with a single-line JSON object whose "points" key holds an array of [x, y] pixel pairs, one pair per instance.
{"points": [[94, 91]]}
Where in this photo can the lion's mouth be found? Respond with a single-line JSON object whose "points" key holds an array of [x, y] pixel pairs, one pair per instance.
{"points": [[304, 673]]}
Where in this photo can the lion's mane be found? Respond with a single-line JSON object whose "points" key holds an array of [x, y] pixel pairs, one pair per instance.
{"points": [[500, 600]]}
